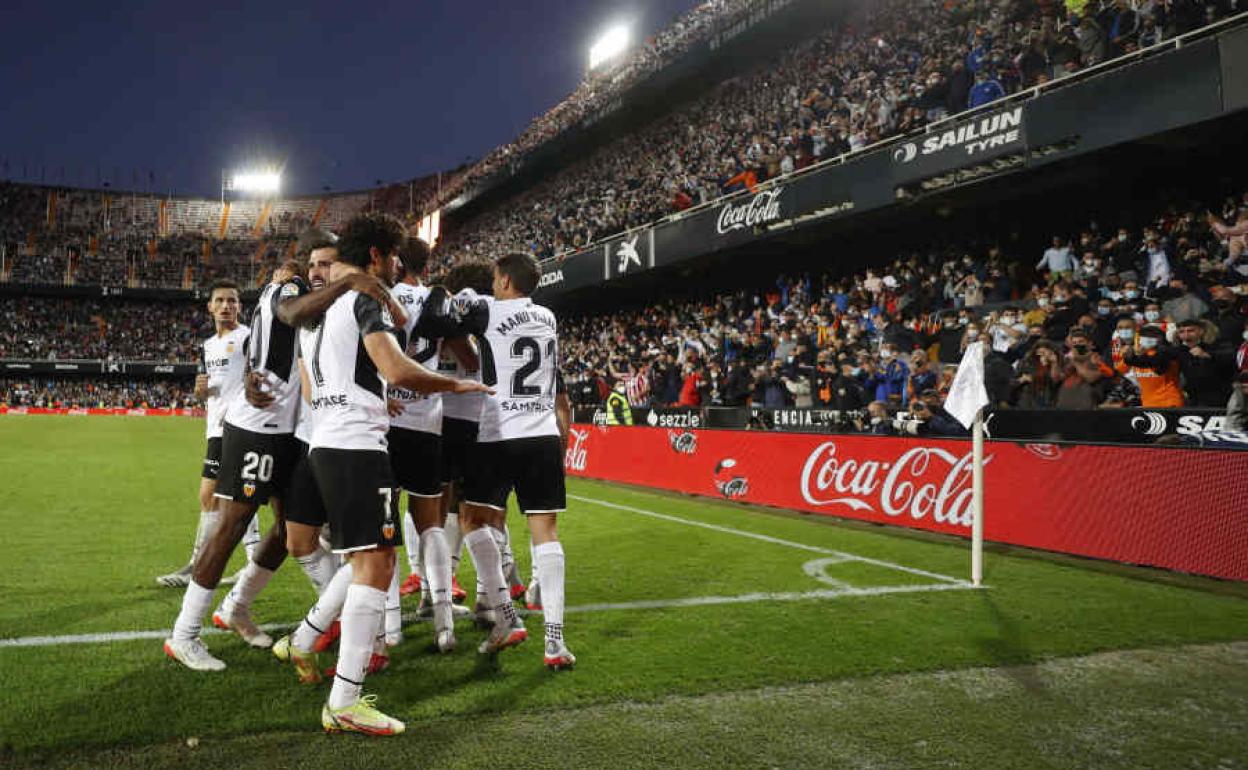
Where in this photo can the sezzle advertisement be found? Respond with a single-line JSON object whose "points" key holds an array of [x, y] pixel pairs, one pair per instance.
{"points": [[1116, 503]]}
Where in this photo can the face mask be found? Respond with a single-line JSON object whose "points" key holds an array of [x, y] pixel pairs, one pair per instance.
{"points": [[963, 322], [1151, 315], [1148, 343], [1122, 237], [1059, 300], [1126, 335], [972, 334], [1021, 328], [1101, 309], [1081, 349], [1007, 320], [1042, 301], [1246, 336], [1131, 293], [857, 370], [886, 354]]}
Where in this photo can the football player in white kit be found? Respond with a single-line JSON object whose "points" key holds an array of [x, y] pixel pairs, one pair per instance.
{"points": [[355, 357], [219, 380], [519, 446]]}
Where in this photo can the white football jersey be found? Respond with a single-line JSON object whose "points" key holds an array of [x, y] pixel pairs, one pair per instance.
{"points": [[348, 393], [519, 351], [225, 357], [303, 423], [271, 350], [459, 406], [421, 411]]}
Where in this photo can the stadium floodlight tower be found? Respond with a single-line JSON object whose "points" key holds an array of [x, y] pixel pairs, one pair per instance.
{"points": [[260, 183], [609, 46]]}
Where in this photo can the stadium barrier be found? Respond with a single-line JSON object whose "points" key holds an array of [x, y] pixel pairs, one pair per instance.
{"points": [[111, 412], [12, 366], [1173, 508], [1104, 426]]}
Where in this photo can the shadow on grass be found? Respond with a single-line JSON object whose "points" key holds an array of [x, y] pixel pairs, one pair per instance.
{"points": [[1008, 648]]}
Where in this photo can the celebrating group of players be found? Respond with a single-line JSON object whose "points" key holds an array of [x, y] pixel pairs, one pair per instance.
{"points": [[356, 381]]}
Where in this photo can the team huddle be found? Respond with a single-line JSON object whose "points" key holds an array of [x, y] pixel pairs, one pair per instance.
{"points": [[354, 382]]}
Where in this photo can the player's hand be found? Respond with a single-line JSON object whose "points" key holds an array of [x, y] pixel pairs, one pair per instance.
{"points": [[394, 407], [373, 287], [254, 387], [471, 386]]}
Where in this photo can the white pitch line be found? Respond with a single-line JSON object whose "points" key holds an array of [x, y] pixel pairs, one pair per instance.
{"points": [[774, 540], [646, 604]]}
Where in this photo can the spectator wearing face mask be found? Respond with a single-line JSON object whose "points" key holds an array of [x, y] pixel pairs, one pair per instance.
{"points": [[877, 421], [987, 89], [1207, 369], [1159, 269], [1183, 305], [1041, 305], [1154, 365], [922, 376], [887, 380], [1084, 374], [949, 338], [1123, 254], [1230, 313], [1040, 377], [1103, 326]]}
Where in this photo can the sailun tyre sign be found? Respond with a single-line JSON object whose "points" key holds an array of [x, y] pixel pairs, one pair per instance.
{"points": [[980, 139]]}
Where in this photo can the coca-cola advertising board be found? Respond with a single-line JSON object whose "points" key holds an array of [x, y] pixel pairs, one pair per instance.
{"points": [[1179, 509]]}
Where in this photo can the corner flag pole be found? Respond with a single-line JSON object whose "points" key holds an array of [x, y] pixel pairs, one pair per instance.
{"points": [[977, 499]]}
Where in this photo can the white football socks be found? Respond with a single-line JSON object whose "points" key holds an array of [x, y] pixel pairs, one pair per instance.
{"points": [[252, 582], [326, 610], [503, 540], [361, 616], [488, 562], [549, 557], [437, 558], [394, 611], [411, 544], [320, 567], [195, 604], [454, 540], [208, 521], [251, 538]]}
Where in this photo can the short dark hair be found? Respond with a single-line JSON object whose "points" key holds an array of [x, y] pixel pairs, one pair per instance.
{"points": [[1152, 331], [224, 283], [367, 231], [523, 269], [414, 254], [475, 274], [1191, 322], [312, 239]]}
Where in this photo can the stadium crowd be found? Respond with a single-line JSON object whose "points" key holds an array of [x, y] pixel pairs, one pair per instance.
{"points": [[39, 328], [64, 393], [896, 66], [1155, 317]]}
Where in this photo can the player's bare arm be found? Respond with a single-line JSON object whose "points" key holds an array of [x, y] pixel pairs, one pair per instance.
{"points": [[402, 371], [301, 311], [563, 416]]}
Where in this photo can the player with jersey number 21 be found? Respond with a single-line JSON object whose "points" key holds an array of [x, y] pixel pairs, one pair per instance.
{"points": [[520, 445], [355, 356]]}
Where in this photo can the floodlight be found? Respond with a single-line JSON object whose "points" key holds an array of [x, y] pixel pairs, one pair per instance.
{"points": [[612, 43], [267, 182]]}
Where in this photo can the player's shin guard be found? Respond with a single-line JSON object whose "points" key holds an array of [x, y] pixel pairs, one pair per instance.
{"points": [[195, 605], [437, 559], [488, 562], [251, 538], [411, 543], [326, 610], [319, 566], [549, 557], [361, 615]]}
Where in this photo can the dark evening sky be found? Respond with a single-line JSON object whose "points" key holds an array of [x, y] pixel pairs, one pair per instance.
{"points": [[343, 93]]}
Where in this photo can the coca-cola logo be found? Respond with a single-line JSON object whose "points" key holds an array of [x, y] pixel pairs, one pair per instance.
{"points": [[727, 482], [922, 482], [577, 453], [683, 442], [761, 209]]}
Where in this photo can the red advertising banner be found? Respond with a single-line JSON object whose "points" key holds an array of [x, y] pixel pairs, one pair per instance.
{"points": [[1180, 509], [97, 412]]}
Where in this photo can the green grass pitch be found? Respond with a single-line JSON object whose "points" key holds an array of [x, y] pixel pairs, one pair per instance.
{"points": [[707, 634]]}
